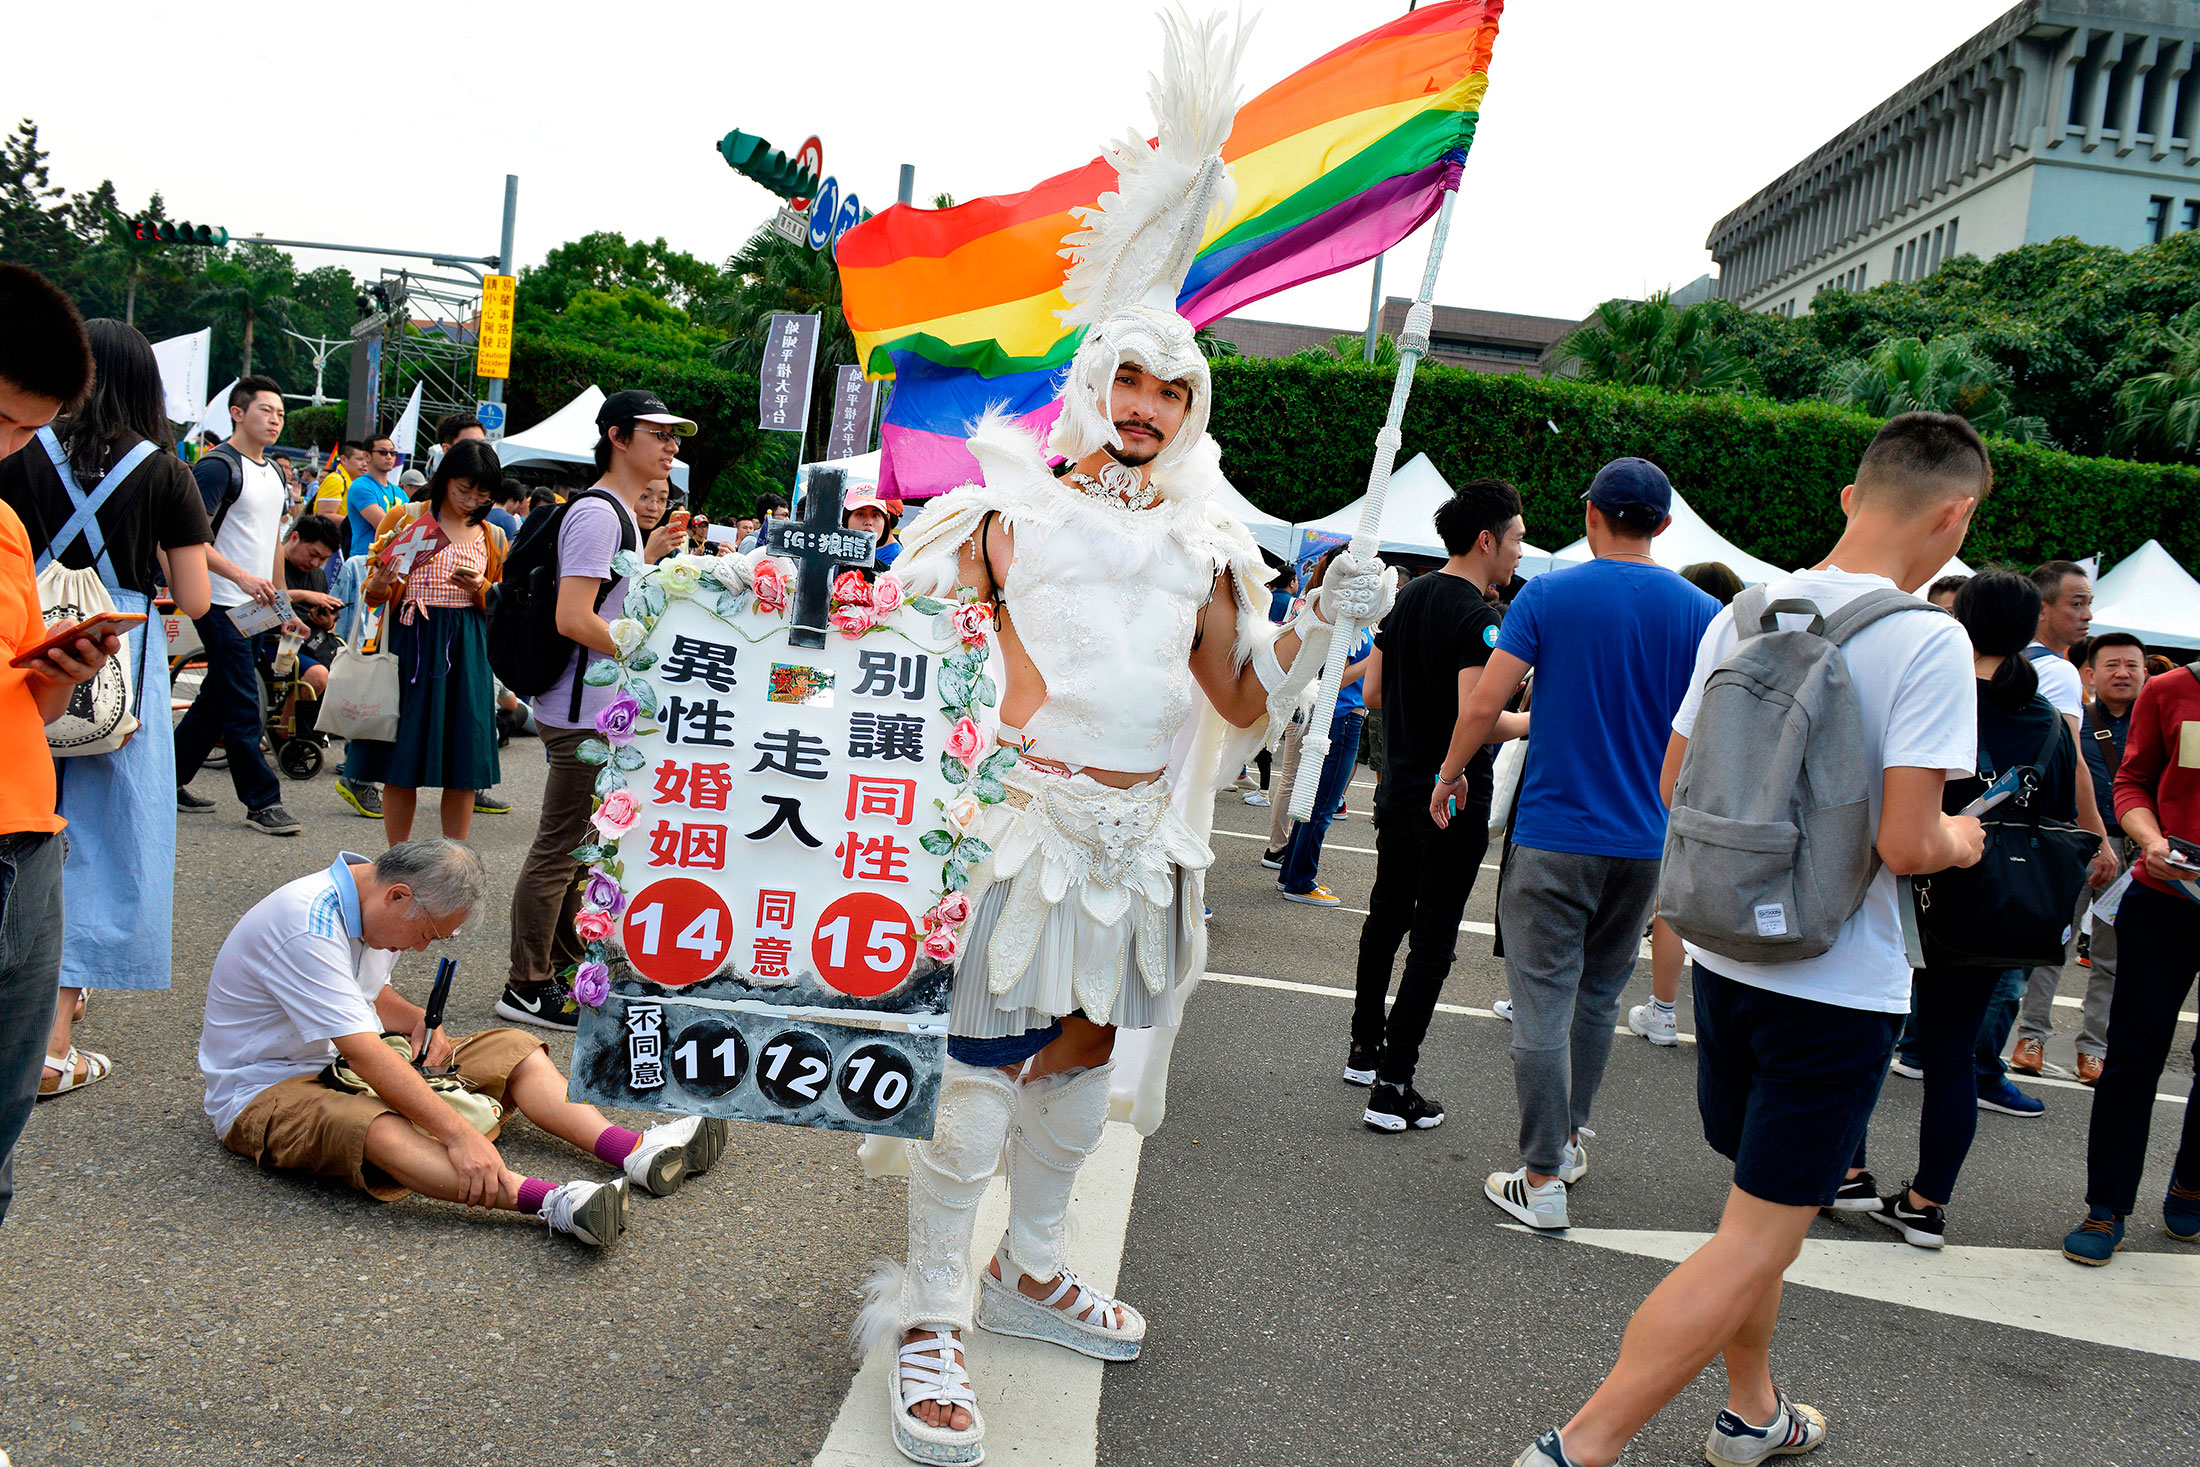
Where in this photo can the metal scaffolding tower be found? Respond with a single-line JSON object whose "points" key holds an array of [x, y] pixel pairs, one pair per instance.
{"points": [[429, 331]]}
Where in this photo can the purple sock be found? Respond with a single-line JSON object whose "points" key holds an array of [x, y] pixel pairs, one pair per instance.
{"points": [[616, 1144], [531, 1195]]}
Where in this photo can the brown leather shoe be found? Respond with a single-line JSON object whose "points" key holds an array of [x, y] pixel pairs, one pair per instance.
{"points": [[2028, 1058], [2089, 1069]]}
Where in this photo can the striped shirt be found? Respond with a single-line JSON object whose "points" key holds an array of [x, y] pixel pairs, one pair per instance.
{"points": [[430, 582]]}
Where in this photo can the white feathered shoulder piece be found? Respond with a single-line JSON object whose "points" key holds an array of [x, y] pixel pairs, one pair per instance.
{"points": [[1138, 243]]}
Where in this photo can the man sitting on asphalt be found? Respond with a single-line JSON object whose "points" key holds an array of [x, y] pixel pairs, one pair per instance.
{"points": [[301, 987]]}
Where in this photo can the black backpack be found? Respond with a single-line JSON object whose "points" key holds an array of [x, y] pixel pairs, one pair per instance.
{"points": [[526, 650], [222, 463], [2013, 909]]}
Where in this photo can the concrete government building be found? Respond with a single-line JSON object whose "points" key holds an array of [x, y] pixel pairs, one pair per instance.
{"points": [[2064, 117]]}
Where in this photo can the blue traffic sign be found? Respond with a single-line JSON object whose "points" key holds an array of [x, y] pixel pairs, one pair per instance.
{"points": [[491, 415], [824, 211], [850, 215]]}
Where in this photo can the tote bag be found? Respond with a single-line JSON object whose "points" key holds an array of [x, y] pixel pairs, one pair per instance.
{"points": [[102, 713], [361, 701]]}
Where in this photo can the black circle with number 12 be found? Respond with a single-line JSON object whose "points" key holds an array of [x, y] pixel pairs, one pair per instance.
{"points": [[793, 1068], [709, 1059], [876, 1082]]}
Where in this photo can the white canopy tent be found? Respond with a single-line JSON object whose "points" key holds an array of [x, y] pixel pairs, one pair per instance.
{"points": [[861, 469], [2152, 597], [1686, 541], [567, 436], [1409, 513], [1273, 535]]}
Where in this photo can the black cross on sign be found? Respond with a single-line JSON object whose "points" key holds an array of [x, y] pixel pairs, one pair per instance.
{"points": [[818, 545]]}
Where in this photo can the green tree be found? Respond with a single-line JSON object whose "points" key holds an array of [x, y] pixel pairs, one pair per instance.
{"points": [[248, 291], [135, 261], [1907, 374], [1351, 346], [34, 227], [608, 261], [1653, 343], [767, 275], [2158, 412], [632, 320]]}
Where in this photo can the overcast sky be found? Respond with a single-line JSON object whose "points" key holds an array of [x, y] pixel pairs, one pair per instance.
{"points": [[1615, 133]]}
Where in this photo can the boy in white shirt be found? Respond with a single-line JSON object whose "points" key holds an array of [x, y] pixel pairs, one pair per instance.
{"points": [[1790, 1056]]}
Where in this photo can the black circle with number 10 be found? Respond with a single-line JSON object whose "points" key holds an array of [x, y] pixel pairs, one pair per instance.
{"points": [[876, 1082], [793, 1068], [709, 1059]]}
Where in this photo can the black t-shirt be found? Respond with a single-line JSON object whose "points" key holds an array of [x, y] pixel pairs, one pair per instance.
{"points": [[297, 578], [157, 508], [2007, 739], [1439, 627]]}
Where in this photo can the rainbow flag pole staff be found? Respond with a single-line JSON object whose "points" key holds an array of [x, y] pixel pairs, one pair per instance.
{"points": [[1366, 540]]}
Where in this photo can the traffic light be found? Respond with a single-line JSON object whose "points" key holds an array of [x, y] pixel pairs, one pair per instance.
{"points": [[752, 157], [167, 231]]}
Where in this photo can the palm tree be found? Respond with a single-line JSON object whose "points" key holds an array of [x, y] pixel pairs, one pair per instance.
{"points": [[1351, 346], [248, 292], [2160, 410], [1948, 374], [136, 260], [766, 275], [1653, 343]]}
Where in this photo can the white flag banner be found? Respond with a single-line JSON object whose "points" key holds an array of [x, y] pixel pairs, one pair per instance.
{"points": [[408, 424], [183, 373], [215, 420]]}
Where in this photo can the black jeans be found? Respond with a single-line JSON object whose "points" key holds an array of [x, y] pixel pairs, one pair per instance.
{"points": [[227, 712], [1947, 1007], [30, 967], [1422, 879], [2157, 953]]}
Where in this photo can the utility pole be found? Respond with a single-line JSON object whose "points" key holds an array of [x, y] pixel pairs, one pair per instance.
{"points": [[908, 192], [505, 260], [323, 348]]}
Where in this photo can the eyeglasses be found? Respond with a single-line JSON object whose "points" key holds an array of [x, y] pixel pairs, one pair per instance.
{"points": [[383, 452], [662, 435], [434, 935]]}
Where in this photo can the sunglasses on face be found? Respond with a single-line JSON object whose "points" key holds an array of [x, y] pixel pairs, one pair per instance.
{"points": [[662, 435]]}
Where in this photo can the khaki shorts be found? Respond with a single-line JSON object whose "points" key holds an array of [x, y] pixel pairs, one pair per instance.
{"points": [[300, 1124]]}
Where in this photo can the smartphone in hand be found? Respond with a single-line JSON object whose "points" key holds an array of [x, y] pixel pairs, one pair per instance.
{"points": [[96, 626]]}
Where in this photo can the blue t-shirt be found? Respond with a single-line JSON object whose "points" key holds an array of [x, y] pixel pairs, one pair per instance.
{"points": [[1613, 644], [366, 490], [1352, 697], [505, 520]]}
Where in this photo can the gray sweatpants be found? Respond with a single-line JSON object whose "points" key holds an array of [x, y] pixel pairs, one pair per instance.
{"points": [[1573, 928], [2037, 1019]]}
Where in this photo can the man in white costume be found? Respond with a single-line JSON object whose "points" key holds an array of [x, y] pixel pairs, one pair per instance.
{"points": [[1108, 583]]}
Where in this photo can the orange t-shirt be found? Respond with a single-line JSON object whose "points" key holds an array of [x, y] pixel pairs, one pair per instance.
{"points": [[27, 793]]}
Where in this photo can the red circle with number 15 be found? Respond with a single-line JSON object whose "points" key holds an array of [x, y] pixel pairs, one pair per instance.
{"points": [[864, 945], [677, 931]]}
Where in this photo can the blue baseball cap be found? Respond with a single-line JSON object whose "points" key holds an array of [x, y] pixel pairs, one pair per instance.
{"points": [[1627, 482]]}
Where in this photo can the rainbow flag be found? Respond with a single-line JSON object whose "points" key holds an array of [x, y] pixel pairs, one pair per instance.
{"points": [[1334, 164]]}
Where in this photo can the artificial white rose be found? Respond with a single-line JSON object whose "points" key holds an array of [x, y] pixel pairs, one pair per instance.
{"points": [[627, 634], [680, 578]]}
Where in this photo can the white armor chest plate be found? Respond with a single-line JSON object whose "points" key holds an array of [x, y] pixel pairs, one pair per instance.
{"points": [[1108, 621]]}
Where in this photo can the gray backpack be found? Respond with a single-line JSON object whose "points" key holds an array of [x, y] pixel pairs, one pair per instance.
{"points": [[1770, 846]]}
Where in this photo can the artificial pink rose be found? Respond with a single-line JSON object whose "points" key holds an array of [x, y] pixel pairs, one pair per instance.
{"points": [[851, 621], [972, 620], [592, 925], [954, 909], [965, 742], [770, 585], [940, 945], [886, 595], [617, 814], [850, 589]]}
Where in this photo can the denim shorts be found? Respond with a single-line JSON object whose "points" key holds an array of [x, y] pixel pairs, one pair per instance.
{"points": [[1009, 1049], [1786, 1085]]}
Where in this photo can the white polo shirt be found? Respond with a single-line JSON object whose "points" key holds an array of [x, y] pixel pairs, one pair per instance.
{"points": [[294, 974]]}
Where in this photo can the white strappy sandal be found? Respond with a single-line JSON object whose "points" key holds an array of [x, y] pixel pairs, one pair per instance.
{"points": [[96, 1067], [1081, 1325], [932, 1370]]}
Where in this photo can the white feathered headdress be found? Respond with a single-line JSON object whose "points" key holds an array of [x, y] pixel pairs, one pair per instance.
{"points": [[1136, 246]]}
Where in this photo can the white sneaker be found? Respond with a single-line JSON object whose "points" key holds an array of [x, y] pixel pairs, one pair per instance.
{"points": [[592, 1212], [1793, 1430], [1543, 1207], [673, 1152], [1503, 1008], [1905, 1069], [1575, 1164], [1258, 799], [1659, 1026]]}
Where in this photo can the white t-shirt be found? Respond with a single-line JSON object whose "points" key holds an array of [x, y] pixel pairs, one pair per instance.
{"points": [[293, 975], [250, 530], [1913, 679], [2058, 681]]}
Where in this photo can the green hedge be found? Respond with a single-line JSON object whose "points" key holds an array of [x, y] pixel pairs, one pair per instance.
{"points": [[313, 427], [547, 374], [1298, 437]]}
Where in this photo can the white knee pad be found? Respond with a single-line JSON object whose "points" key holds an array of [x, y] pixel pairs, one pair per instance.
{"points": [[947, 1176], [1058, 1123]]}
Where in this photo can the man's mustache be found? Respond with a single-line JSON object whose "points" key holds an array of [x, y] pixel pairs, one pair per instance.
{"points": [[1125, 425]]}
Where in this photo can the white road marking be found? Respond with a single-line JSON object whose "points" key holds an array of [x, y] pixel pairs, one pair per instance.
{"points": [[1327, 845], [2187, 1017], [1041, 1403], [2142, 1301], [1325, 991]]}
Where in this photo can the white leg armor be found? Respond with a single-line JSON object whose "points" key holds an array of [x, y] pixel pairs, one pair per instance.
{"points": [[1058, 1123], [947, 1176]]}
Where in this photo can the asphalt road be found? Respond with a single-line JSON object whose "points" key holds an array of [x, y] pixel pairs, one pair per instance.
{"points": [[1317, 1292]]}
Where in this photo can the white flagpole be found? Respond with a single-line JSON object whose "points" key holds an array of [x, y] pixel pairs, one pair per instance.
{"points": [[1412, 344]]}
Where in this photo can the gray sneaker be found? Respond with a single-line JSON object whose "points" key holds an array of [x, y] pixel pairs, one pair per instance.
{"points": [[1793, 1430], [364, 799], [272, 820]]}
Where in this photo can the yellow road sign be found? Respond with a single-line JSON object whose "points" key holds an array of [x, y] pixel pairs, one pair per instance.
{"points": [[493, 355]]}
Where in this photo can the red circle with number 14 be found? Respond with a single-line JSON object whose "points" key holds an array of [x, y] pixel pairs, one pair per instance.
{"points": [[677, 931], [864, 945]]}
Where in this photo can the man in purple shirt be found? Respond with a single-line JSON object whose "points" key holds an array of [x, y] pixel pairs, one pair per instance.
{"points": [[638, 442]]}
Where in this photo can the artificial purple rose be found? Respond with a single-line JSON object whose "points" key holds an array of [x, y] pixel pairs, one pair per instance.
{"points": [[616, 722], [604, 892], [592, 984]]}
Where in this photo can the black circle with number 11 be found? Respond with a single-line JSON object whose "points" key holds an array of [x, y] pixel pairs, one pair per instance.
{"points": [[709, 1059], [793, 1068], [876, 1081]]}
